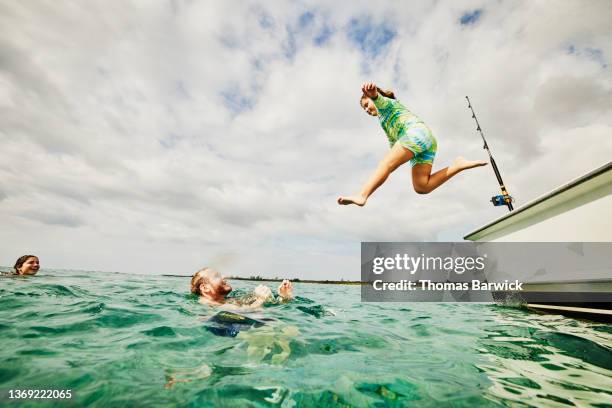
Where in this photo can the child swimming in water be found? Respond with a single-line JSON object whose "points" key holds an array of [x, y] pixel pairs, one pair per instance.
{"points": [[410, 139], [27, 265]]}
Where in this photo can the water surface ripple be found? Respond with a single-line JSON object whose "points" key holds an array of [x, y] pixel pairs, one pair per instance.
{"points": [[128, 340]]}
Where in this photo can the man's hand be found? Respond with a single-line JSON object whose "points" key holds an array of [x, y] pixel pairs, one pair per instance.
{"points": [[262, 293], [285, 289], [369, 90]]}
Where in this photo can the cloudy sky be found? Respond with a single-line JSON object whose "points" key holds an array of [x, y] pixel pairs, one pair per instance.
{"points": [[162, 136]]}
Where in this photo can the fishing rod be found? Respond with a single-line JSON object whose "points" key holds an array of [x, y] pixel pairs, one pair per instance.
{"points": [[504, 198]]}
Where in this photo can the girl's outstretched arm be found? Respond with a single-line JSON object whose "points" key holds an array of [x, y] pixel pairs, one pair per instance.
{"points": [[397, 156]]}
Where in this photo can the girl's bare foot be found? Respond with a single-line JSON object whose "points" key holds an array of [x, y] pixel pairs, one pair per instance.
{"points": [[357, 199], [460, 163]]}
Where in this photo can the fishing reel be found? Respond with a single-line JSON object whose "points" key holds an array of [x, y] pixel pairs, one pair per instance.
{"points": [[502, 199]]}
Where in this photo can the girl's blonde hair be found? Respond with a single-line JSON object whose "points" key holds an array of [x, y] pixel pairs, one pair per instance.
{"points": [[384, 92]]}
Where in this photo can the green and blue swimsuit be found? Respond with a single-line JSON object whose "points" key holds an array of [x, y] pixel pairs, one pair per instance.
{"points": [[405, 127]]}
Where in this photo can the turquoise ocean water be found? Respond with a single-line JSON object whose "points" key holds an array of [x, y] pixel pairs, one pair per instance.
{"points": [[132, 340]]}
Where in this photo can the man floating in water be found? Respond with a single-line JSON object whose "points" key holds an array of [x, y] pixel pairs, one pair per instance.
{"points": [[213, 289]]}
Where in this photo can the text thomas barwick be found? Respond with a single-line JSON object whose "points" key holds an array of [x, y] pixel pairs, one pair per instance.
{"points": [[429, 285]]}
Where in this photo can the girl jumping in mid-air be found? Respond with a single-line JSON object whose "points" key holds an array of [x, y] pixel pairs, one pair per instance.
{"points": [[410, 140]]}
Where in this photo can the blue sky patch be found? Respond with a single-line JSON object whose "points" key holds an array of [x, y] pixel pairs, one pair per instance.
{"points": [[594, 54], [323, 36], [470, 18], [265, 21], [235, 101], [370, 38], [289, 46], [306, 19]]}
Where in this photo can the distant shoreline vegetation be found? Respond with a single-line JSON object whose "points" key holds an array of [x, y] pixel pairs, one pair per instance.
{"points": [[276, 279]]}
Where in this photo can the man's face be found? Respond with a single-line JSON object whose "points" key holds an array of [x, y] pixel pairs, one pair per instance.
{"points": [[216, 285]]}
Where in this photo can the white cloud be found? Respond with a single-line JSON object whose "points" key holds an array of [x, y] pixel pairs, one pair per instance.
{"points": [[159, 137]]}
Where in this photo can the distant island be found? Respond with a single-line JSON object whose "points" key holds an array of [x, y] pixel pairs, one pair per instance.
{"points": [[277, 279]]}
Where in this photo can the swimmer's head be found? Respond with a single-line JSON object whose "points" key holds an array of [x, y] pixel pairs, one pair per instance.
{"points": [[367, 104], [27, 265], [210, 283]]}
